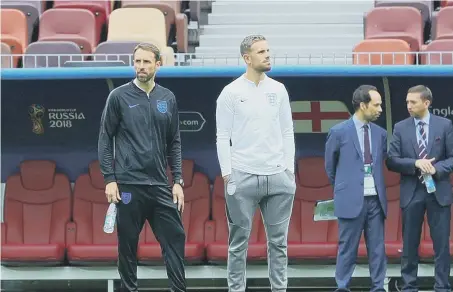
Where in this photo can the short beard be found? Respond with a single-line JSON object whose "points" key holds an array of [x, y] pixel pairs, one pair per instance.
{"points": [[145, 79]]}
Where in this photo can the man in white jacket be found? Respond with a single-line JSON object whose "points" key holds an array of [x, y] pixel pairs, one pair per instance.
{"points": [[256, 152]]}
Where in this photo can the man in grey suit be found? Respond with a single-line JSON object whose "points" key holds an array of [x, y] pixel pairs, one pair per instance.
{"points": [[354, 161], [423, 143]]}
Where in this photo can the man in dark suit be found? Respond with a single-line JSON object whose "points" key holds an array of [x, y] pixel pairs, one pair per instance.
{"points": [[423, 143], [354, 161]]}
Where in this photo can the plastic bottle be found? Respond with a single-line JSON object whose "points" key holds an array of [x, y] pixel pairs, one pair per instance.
{"points": [[429, 183], [110, 219]]}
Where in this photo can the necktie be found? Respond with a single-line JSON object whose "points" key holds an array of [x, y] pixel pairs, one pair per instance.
{"points": [[421, 144], [422, 141], [366, 145]]}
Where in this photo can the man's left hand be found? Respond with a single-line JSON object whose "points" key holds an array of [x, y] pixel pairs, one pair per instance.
{"points": [[432, 172], [178, 197]]}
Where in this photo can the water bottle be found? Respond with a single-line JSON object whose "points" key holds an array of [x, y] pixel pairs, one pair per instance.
{"points": [[429, 183], [110, 219]]}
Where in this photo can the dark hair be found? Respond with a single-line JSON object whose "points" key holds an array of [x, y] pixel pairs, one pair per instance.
{"points": [[150, 48], [425, 92], [362, 94]]}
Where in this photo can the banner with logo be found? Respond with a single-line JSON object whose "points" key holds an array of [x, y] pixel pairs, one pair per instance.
{"points": [[59, 119]]}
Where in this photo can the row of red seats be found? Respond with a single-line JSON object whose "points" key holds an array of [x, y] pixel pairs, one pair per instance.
{"points": [[398, 31], [45, 222], [90, 24]]}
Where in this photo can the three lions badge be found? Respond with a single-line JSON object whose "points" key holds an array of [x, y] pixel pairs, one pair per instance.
{"points": [[162, 106], [126, 198]]}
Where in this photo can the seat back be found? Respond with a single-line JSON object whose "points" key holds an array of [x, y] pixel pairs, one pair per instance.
{"points": [[14, 30], [196, 205], [89, 208], [37, 204], [140, 25], [69, 24], [220, 218], [438, 52], [168, 8], [401, 22], [425, 7], [444, 24], [100, 9], [370, 52], [116, 51], [312, 185], [40, 5], [393, 224], [55, 54], [31, 12], [445, 3]]}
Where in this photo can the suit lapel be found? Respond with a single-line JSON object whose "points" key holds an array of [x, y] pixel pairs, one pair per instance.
{"points": [[355, 138], [431, 135], [413, 134], [375, 141]]}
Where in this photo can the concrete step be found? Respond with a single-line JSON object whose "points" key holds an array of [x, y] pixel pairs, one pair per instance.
{"points": [[286, 18], [288, 29], [285, 40], [275, 61], [278, 51], [241, 7]]}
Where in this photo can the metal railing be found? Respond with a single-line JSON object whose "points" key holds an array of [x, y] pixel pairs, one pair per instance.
{"points": [[362, 58]]}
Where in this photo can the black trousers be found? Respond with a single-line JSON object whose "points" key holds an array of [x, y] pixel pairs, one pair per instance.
{"points": [[154, 204]]}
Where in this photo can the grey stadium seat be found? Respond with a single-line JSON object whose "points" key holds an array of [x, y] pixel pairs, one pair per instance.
{"points": [[66, 51], [119, 51]]}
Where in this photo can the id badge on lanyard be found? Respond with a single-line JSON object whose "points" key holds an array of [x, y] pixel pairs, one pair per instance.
{"points": [[368, 169], [369, 181]]}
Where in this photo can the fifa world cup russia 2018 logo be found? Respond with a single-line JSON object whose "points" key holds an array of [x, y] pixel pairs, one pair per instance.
{"points": [[36, 113]]}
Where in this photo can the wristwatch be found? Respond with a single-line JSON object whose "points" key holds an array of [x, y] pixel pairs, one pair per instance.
{"points": [[179, 182]]}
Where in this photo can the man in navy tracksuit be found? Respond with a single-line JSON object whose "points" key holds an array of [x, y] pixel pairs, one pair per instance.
{"points": [[139, 130]]}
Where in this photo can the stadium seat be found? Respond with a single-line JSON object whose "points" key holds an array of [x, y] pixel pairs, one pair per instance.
{"points": [[30, 10], [426, 245], [217, 248], [307, 239], [116, 51], [425, 8], [70, 24], [370, 52], [40, 5], [141, 25], [438, 52], [195, 220], [445, 3], [173, 18], [61, 51], [36, 215], [87, 243], [443, 24], [393, 223], [7, 60], [403, 23], [14, 31], [100, 9]]}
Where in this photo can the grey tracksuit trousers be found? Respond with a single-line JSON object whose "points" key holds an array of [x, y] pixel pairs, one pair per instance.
{"points": [[274, 194]]}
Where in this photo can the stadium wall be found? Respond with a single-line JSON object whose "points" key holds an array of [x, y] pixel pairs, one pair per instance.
{"points": [[54, 113]]}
